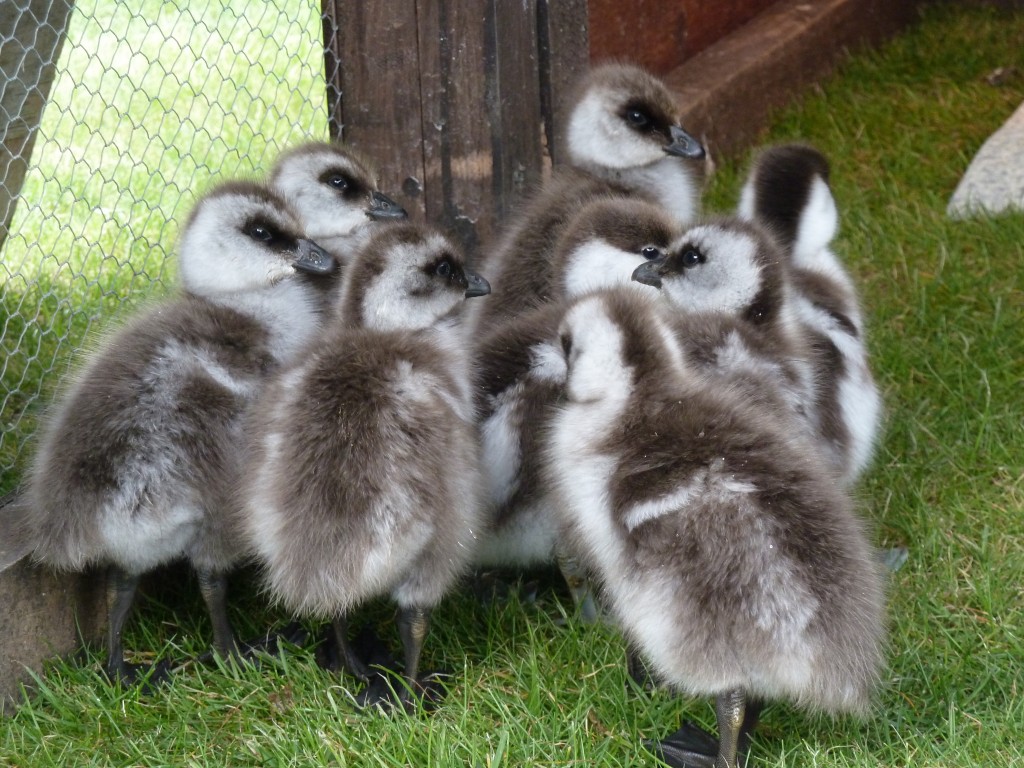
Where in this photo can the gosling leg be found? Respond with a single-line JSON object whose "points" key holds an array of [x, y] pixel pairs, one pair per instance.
{"points": [[638, 671], [693, 747], [578, 580], [214, 588], [347, 659], [730, 709], [121, 589], [413, 625]]}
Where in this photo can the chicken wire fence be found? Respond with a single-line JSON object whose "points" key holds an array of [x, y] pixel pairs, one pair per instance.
{"points": [[114, 118]]}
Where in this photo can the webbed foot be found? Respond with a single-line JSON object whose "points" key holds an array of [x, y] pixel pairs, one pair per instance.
{"points": [[146, 677], [389, 690], [692, 746], [272, 643], [497, 588], [689, 747], [386, 686], [335, 654]]}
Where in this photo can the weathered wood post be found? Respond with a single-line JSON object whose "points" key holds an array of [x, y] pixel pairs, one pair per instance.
{"points": [[31, 35], [457, 100], [41, 614]]}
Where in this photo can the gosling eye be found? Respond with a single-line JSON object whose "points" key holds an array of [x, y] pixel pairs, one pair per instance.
{"points": [[692, 257], [637, 118], [338, 182], [443, 268], [651, 252], [260, 233]]}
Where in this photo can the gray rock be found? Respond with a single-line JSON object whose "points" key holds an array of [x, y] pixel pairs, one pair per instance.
{"points": [[994, 181]]}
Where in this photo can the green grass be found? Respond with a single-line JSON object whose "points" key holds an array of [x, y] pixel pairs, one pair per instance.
{"points": [[944, 301]]}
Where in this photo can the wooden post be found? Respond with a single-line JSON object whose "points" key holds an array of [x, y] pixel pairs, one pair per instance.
{"points": [[563, 33], [457, 150], [377, 86], [454, 99], [31, 36]]}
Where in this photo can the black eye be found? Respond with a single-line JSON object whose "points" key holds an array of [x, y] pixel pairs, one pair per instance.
{"points": [[637, 118], [566, 342], [650, 252], [338, 182], [692, 257], [259, 232], [443, 268]]}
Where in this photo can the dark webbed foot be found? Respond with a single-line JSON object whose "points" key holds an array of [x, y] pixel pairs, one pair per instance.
{"points": [[388, 690], [147, 677], [497, 588], [692, 746], [386, 685], [689, 747], [272, 643], [390, 684], [336, 654]]}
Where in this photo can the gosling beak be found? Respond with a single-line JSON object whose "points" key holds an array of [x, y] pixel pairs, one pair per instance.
{"points": [[312, 259], [648, 273], [383, 207], [683, 144], [476, 285]]}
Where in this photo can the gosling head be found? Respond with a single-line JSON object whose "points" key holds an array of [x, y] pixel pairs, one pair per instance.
{"points": [[334, 189], [613, 340], [243, 237], [624, 117], [726, 266], [608, 239], [407, 277]]}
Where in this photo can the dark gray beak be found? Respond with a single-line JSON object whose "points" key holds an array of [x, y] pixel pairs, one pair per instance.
{"points": [[311, 258], [684, 145], [383, 207], [476, 285], [648, 274]]}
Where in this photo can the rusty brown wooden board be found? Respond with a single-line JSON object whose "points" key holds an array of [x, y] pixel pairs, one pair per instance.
{"points": [[706, 23], [513, 101], [457, 151], [650, 33], [378, 49], [727, 93], [562, 38], [450, 97]]}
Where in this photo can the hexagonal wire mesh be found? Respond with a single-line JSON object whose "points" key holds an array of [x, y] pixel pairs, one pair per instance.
{"points": [[146, 105]]}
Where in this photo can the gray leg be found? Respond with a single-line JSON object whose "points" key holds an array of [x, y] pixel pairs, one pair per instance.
{"points": [[121, 589], [576, 577], [731, 711], [638, 671], [214, 587], [347, 658], [413, 624], [693, 747]]}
